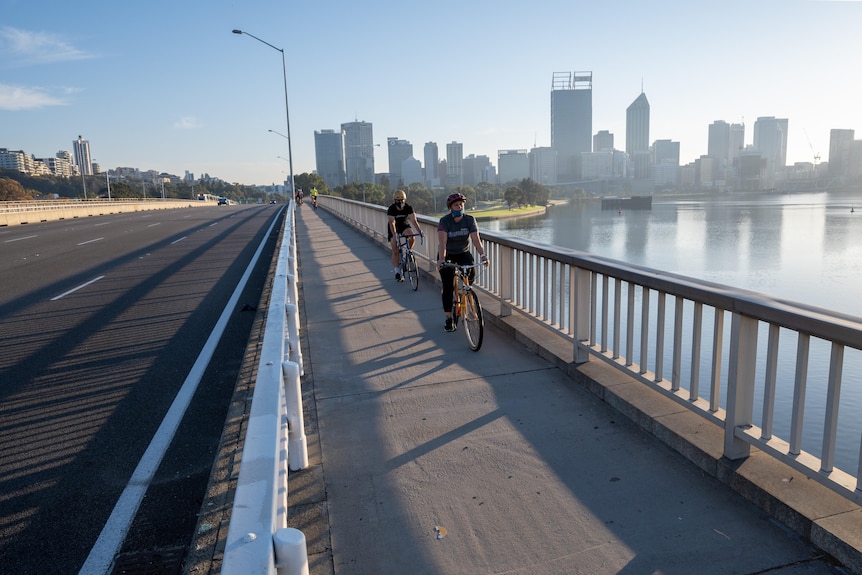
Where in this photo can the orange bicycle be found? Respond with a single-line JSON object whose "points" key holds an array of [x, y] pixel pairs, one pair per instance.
{"points": [[466, 307]]}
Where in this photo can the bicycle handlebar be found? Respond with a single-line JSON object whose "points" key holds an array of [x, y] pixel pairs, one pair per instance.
{"points": [[461, 266], [421, 237]]}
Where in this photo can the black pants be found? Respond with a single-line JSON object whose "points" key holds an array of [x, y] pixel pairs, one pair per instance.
{"points": [[447, 276]]}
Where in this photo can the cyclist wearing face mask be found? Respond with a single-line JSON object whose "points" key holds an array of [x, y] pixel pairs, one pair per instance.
{"points": [[455, 231], [401, 220]]}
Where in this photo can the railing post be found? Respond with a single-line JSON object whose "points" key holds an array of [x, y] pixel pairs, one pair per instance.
{"points": [[291, 555], [740, 384], [582, 305], [294, 350], [507, 280], [297, 450]]}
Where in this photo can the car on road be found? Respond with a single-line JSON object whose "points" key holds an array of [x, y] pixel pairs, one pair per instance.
{"points": [[222, 201], [271, 201]]}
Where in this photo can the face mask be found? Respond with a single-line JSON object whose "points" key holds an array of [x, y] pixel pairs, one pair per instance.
{"points": [[457, 213]]}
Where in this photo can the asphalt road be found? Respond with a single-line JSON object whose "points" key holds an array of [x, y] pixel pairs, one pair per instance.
{"points": [[101, 322]]}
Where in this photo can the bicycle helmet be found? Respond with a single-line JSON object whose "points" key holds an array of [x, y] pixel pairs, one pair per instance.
{"points": [[400, 195], [456, 197]]}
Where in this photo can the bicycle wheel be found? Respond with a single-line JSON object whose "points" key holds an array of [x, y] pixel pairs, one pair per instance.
{"points": [[474, 325], [412, 271]]}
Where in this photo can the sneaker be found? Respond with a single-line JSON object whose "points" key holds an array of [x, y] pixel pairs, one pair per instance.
{"points": [[398, 277], [450, 324]]}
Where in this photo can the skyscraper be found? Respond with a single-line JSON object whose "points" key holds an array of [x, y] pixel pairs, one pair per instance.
{"points": [[358, 152], [455, 164], [840, 142], [432, 158], [637, 136], [543, 165], [737, 142], [571, 121], [770, 140], [398, 151], [603, 140], [329, 157], [718, 143], [82, 156]]}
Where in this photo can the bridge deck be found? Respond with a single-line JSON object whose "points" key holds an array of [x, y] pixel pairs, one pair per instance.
{"points": [[411, 433]]}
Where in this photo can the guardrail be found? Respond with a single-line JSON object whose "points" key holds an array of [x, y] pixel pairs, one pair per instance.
{"points": [[647, 323], [18, 213], [258, 539]]}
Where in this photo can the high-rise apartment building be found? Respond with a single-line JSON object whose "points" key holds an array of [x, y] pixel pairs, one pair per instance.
{"points": [[455, 164], [571, 121], [358, 152], [840, 142], [398, 151], [770, 140], [329, 157], [432, 159], [83, 160]]}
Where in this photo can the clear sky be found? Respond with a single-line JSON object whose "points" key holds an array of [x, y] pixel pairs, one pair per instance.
{"points": [[165, 85]]}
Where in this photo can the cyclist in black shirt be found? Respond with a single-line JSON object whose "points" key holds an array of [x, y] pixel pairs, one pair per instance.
{"points": [[401, 216]]}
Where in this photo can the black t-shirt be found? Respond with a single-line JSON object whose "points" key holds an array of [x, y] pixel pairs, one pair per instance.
{"points": [[402, 221]]}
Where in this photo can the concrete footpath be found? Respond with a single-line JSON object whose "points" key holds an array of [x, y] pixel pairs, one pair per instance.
{"points": [[428, 458]]}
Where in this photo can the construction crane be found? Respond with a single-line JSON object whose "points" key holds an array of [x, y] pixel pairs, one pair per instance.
{"points": [[816, 155]]}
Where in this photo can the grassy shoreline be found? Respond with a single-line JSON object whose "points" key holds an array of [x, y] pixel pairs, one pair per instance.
{"points": [[498, 211]]}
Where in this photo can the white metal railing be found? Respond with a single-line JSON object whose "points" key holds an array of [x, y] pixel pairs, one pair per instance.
{"points": [[258, 539], [696, 342]]}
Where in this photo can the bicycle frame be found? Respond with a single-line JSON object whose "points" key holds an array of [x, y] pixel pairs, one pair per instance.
{"points": [[407, 258], [466, 306]]}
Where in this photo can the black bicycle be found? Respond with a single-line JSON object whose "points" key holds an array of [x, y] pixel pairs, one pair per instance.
{"points": [[465, 306], [409, 269]]}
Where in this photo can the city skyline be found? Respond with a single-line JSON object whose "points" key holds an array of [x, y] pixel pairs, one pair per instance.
{"points": [[197, 98]]}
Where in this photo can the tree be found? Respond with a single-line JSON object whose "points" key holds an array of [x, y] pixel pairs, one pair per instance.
{"points": [[534, 193], [307, 181], [13, 191], [513, 196]]}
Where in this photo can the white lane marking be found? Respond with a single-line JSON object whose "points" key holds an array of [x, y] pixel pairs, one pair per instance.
{"points": [[179, 240], [101, 556], [73, 290], [102, 224], [90, 241], [154, 225], [19, 239]]}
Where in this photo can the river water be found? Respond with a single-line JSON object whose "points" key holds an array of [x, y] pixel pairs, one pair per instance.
{"points": [[805, 247]]}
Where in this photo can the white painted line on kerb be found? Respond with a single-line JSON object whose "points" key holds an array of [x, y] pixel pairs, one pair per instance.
{"points": [[19, 239], [101, 556], [90, 241], [179, 240], [73, 290]]}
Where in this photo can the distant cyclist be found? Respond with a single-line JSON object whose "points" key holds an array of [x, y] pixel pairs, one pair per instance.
{"points": [[400, 215], [455, 232]]}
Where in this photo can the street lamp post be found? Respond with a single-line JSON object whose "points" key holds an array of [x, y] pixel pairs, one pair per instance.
{"points": [[286, 109]]}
